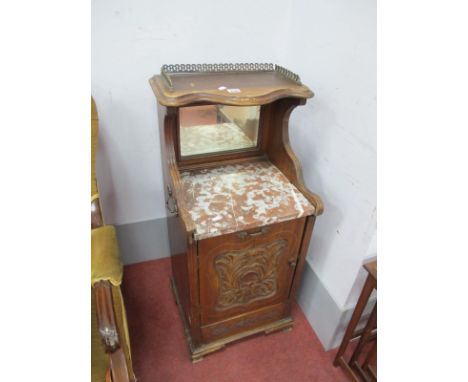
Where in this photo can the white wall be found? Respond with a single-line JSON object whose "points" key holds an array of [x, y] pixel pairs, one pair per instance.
{"points": [[334, 135], [130, 42], [330, 43]]}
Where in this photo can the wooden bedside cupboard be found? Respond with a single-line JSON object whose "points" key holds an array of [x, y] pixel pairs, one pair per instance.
{"points": [[240, 217]]}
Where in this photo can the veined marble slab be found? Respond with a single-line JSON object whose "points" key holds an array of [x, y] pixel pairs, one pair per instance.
{"points": [[238, 197]]}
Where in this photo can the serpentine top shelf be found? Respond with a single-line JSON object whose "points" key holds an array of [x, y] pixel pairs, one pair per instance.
{"points": [[229, 84]]}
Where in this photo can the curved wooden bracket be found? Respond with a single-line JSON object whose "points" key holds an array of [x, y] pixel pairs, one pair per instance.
{"points": [[279, 150]]}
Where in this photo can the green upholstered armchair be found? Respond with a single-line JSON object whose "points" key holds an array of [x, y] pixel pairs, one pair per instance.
{"points": [[110, 344]]}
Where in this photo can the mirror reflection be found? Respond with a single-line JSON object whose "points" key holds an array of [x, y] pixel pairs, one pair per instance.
{"points": [[217, 128]]}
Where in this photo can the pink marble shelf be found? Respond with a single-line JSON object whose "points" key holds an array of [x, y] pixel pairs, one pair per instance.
{"points": [[237, 197]]}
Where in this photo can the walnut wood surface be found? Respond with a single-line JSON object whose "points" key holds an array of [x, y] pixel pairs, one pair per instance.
{"points": [[301, 259], [198, 351], [96, 214], [245, 322], [231, 286], [255, 88], [257, 270], [174, 187], [371, 268], [107, 325], [118, 368], [180, 227]]}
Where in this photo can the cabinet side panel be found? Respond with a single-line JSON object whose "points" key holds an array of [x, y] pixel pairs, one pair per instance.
{"points": [[182, 247], [179, 260], [175, 228], [309, 227], [161, 116]]}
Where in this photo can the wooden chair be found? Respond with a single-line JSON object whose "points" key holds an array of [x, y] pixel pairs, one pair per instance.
{"points": [[359, 367], [110, 345]]}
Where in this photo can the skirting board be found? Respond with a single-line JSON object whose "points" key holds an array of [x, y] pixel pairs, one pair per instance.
{"points": [[143, 241], [148, 240], [322, 312]]}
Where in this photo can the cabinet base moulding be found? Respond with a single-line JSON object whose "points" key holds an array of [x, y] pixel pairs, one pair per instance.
{"points": [[197, 353]]}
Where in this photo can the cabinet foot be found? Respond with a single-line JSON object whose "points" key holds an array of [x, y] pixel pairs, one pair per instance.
{"points": [[197, 353], [284, 328], [174, 292], [197, 359]]}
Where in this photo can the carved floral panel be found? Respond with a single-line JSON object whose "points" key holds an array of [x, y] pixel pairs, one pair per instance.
{"points": [[246, 276]]}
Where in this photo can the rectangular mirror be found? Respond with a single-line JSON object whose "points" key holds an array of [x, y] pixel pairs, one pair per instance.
{"points": [[217, 128]]}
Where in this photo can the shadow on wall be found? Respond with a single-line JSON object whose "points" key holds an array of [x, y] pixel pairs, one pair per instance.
{"points": [[143, 241]]}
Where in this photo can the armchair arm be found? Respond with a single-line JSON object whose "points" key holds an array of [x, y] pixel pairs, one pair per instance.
{"points": [[96, 215], [107, 325], [104, 273], [109, 331], [106, 321]]}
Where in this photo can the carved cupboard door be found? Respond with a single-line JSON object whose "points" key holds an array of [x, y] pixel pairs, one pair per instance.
{"points": [[245, 271]]}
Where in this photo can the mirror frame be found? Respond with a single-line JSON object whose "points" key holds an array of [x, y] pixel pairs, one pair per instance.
{"points": [[227, 155]]}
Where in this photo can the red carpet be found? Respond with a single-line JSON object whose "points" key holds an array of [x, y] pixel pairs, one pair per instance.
{"points": [[160, 351]]}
